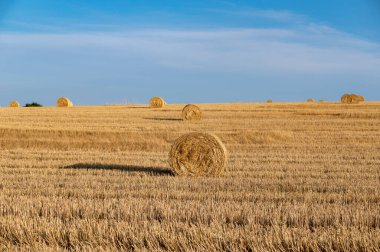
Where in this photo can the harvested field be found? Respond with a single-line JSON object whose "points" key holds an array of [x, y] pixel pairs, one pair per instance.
{"points": [[300, 176]]}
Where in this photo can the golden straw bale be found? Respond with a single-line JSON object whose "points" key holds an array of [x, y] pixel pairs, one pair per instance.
{"points": [[157, 102], [310, 100], [198, 154], [269, 101], [352, 99], [191, 112], [344, 98], [64, 102], [14, 104]]}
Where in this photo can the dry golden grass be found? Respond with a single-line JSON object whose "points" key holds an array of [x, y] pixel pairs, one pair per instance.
{"points": [[300, 176]]}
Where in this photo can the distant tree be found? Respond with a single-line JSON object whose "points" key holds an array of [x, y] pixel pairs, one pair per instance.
{"points": [[33, 104]]}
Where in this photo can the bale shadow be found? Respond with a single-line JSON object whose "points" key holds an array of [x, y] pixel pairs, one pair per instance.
{"points": [[163, 119], [134, 107], [125, 168]]}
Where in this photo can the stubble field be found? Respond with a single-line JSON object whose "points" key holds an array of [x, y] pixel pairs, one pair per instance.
{"points": [[300, 177]]}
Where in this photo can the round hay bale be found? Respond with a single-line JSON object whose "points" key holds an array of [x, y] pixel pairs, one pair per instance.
{"points": [[157, 102], [321, 101], [353, 99], [64, 102], [344, 98], [269, 101], [198, 154], [191, 112], [310, 100], [14, 104]]}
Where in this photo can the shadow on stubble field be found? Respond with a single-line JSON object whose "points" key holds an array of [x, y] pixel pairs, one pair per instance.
{"points": [[125, 168]]}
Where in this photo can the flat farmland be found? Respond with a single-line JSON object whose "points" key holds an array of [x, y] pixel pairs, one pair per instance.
{"points": [[300, 176]]}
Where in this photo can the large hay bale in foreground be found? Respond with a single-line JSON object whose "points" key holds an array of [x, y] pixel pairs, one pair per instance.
{"points": [[310, 100], [191, 112], [64, 102], [198, 154], [14, 104], [157, 102]]}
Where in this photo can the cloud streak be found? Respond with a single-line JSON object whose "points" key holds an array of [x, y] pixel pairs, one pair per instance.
{"points": [[312, 50], [276, 15]]}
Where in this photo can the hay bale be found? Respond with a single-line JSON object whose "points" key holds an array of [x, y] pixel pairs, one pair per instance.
{"points": [[191, 112], [269, 101], [344, 98], [352, 99], [310, 100], [198, 154], [14, 104], [321, 101], [157, 102], [64, 102]]}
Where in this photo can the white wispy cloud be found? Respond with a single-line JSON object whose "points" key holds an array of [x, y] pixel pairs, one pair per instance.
{"points": [[310, 50], [277, 15]]}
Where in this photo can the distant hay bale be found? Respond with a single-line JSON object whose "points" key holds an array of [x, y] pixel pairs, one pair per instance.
{"points": [[352, 99], [14, 104], [321, 101], [198, 154], [64, 102], [191, 112], [157, 102], [344, 98], [310, 100], [269, 101]]}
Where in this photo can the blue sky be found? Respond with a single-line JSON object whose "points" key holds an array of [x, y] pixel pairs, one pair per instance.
{"points": [[110, 52]]}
